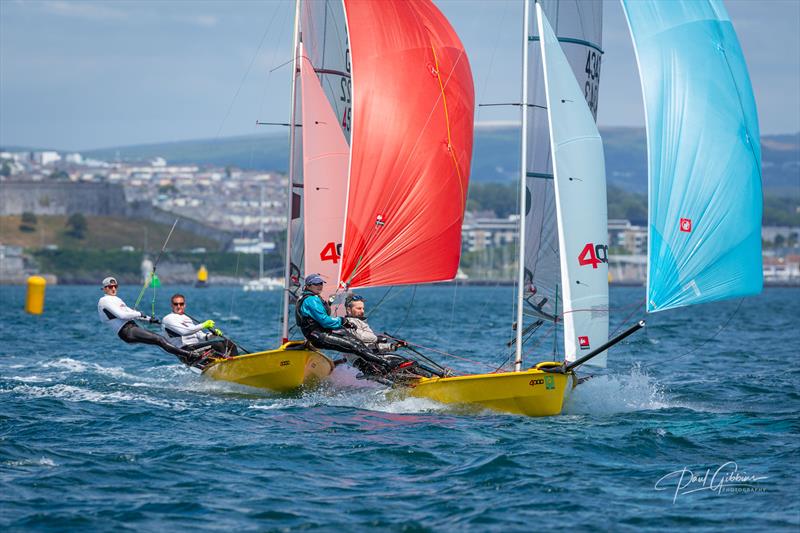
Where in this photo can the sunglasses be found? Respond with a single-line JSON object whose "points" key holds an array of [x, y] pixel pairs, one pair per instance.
{"points": [[111, 286], [178, 304]]}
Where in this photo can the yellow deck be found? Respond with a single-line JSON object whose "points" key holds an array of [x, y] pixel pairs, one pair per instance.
{"points": [[532, 392], [278, 370]]}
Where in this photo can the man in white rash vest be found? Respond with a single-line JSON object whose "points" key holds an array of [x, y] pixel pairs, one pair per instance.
{"points": [[119, 317], [183, 332]]}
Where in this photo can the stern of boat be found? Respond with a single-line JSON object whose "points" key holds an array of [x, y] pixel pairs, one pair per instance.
{"points": [[283, 370]]}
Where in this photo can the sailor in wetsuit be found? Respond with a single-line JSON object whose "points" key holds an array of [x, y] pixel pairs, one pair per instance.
{"points": [[312, 314], [356, 315], [119, 317], [183, 332]]}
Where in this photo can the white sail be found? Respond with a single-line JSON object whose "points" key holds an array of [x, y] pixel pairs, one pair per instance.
{"points": [[578, 26], [580, 187]]}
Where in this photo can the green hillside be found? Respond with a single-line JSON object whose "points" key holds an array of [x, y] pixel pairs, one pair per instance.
{"points": [[102, 233]]}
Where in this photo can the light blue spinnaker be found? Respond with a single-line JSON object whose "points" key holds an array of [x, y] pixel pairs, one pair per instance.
{"points": [[704, 154]]}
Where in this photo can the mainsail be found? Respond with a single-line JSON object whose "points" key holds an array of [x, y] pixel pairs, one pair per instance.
{"points": [[325, 159], [580, 191], [411, 146], [704, 154], [319, 157], [578, 26]]}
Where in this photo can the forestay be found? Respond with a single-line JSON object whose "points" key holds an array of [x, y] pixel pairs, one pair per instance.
{"points": [[704, 154], [580, 191]]}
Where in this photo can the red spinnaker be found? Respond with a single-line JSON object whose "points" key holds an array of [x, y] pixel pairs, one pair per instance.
{"points": [[411, 144]]}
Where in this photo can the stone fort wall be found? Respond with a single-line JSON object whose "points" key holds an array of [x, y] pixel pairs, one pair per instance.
{"points": [[61, 198]]}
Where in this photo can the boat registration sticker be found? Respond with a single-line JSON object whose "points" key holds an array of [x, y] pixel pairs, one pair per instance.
{"points": [[686, 225], [549, 382], [583, 342]]}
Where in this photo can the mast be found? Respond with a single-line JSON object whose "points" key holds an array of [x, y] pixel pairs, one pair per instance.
{"points": [[289, 202], [261, 235], [522, 185]]}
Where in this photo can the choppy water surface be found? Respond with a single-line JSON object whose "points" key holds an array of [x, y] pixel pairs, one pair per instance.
{"points": [[96, 434]]}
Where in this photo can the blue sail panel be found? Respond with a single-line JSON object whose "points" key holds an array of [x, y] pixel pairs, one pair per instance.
{"points": [[704, 154]]}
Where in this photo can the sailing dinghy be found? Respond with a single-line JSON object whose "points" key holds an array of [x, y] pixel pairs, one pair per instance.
{"points": [[704, 195], [317, 179]]}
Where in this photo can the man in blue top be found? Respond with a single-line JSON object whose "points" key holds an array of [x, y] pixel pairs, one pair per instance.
{"points": [[312, 315]]}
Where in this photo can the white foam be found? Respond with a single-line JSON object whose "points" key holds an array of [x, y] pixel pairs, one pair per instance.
{"points": [[369, 399], [66, 363], [75, 366], [78, 394], [31, 379], [611, 394], [44, 461]]}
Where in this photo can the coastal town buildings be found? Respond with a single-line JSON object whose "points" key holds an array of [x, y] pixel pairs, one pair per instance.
{"points": [[225, 203]]}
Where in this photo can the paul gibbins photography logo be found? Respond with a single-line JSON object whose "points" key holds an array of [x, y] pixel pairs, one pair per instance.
{"points": [[727, 478]]}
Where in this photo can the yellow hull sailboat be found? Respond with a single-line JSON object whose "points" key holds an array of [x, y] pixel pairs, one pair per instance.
{"points": [[293, 365], [283, 370], [533, 392]]}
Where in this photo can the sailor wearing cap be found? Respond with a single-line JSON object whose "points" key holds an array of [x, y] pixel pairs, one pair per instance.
{"points": [[120, 318], [312, 315]]}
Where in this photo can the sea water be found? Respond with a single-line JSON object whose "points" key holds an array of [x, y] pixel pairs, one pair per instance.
{"points": [[693, 425]]}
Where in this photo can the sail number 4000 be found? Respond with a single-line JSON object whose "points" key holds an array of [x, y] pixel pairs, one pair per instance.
{"points": [[593, 254]]}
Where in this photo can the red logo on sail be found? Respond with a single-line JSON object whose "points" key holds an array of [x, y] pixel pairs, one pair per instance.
{"points": [[583, 341], [686, 225]]}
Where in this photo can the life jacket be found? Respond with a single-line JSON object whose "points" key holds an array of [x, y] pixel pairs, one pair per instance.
{"points": [[307, 324]]}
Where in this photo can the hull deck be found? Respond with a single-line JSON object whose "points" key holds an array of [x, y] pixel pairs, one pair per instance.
{"points": [[532, 392], [283, 370]]}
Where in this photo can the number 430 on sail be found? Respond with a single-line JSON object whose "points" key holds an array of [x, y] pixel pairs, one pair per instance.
{"points": [[593, 254]]}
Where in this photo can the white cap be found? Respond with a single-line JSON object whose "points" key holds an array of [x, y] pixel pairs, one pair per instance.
{"points": [[109, 281]]}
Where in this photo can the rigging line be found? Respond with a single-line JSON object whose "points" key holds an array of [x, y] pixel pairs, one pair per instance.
{"points": [[247, 73], [155, 265], [266, 82], [709, 339], [385, 294], [452, 310], [236, 273], [408, 310], [446, 354], [447, 124], [492, 59], [626, 319], [541, 337]]}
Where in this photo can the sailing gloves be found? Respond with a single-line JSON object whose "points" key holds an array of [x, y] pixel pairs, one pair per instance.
{"points": [[151, 319], [208, 324], [347, 324]]}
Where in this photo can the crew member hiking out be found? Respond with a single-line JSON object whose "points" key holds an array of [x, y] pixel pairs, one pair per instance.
{"points": [[356, 315], [112, 311], [312, 315], [183, 332]]}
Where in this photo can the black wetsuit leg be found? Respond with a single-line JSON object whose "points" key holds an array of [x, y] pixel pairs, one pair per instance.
{"points": [[133, 334], [220, 346], [341, 343]]}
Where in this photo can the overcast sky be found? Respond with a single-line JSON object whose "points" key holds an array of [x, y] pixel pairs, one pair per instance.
{"points": [[79, 75]]}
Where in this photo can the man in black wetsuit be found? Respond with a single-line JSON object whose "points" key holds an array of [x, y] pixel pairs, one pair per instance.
{"points": [[112, 311], [312, 315]]}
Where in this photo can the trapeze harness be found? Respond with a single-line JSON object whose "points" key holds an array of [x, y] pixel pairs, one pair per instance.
{"points": [[113, 311], [184, 333]]}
